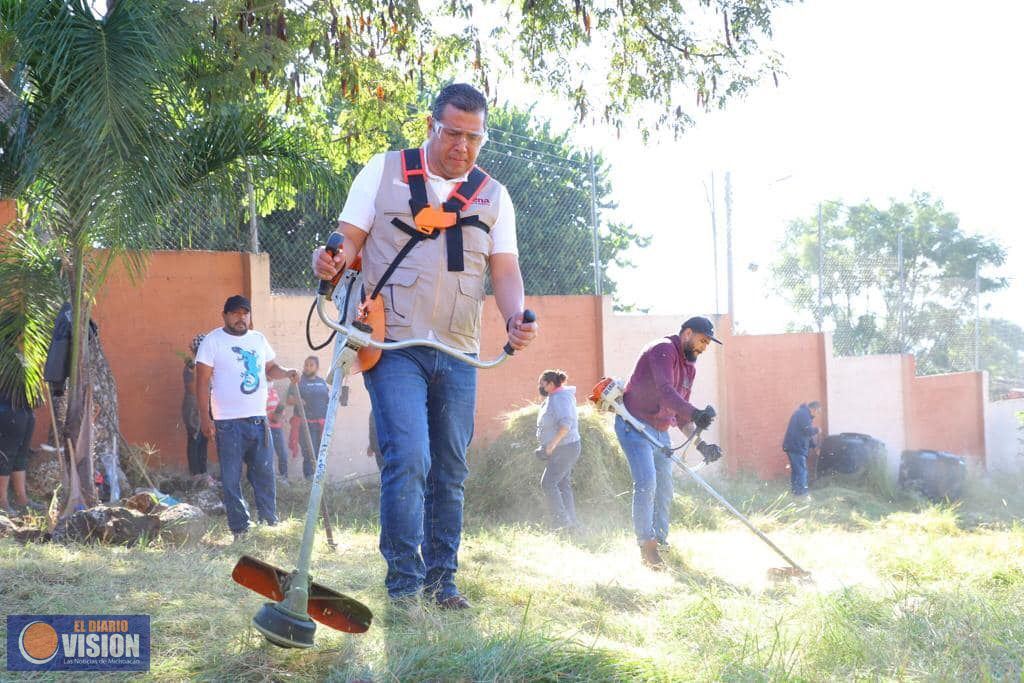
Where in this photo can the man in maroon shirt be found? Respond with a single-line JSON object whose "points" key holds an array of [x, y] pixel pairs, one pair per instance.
{"points": [[658, 394]]}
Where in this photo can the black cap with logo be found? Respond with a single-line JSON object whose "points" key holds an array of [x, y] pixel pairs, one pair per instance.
{"points": [[701, 325]]}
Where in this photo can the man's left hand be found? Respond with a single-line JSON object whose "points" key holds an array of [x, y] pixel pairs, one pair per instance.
{"points": [[520, 334], [710, 451]]}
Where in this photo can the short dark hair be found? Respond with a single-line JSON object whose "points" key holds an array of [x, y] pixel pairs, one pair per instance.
{"points": [[814, 405], [461, 96], [314, 359], [556, 377]]}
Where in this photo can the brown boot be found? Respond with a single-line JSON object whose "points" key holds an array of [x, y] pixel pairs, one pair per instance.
{"points": [[650, 555]]}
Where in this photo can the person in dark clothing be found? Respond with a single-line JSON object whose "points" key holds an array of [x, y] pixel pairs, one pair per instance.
{"points": [[799, 436], [197, 441], [315, 395], [17, 422]]}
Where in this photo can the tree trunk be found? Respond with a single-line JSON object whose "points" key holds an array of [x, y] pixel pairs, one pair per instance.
{"points": [[80, 408], [106, 427]]}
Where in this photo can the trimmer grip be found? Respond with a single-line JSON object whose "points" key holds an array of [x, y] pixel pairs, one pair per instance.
{"points": [[528, 317], [332, 247]]}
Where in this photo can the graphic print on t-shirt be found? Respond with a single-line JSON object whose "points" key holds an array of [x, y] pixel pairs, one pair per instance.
{"points": [[251, 372]]}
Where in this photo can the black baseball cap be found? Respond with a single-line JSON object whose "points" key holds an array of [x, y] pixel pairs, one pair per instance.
{"points": [[235, 302], [701, 325]]}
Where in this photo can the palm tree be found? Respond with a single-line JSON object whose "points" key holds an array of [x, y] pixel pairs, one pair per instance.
{"points": [[100, 140]]}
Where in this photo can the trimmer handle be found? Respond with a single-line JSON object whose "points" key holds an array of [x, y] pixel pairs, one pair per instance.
{"points": [[332, 247], [528, 317]]}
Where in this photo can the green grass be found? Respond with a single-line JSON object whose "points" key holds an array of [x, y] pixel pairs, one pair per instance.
{"points": [[903, 590]]}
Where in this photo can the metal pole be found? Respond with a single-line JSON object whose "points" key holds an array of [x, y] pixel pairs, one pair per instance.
{"points": [[736, 513], [821, 268], [977, 316], [620, 410], [594, 224], [254, 226], [714, 239], [728, 247], [900, 342]]}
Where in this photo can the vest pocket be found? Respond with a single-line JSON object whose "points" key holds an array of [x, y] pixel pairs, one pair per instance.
{"points": [[468, 306], [399, 293]]}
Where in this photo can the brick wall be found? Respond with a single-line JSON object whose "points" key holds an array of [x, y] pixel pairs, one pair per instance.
{"points": [[866, 395], [625, 334], [1004, 452], [754, 381], [570, 340], [8, 211], [768, 377], [145, 324], [946, 412]]}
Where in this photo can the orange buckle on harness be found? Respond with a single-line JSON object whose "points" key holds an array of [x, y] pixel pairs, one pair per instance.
{"points": [[430, 218]]}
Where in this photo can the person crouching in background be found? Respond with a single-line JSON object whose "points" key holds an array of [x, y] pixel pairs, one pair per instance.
{"points": [[559, 437]]}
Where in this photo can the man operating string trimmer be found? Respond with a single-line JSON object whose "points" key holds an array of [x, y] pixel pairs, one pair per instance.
{"points": [[424, 270], [658, 395], [656, 398]]}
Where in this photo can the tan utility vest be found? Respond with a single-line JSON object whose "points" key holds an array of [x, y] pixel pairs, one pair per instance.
{"points": [[423, 296]]}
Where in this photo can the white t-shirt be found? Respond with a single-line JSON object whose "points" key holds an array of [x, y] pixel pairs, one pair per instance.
{"points": [[359, 205], [239, 384]]}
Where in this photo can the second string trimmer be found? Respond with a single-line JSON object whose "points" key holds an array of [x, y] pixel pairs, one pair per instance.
{"points": [[608, 395]]}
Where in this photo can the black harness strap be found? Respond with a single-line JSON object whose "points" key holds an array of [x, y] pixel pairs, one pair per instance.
{"points": [[415, 174]]}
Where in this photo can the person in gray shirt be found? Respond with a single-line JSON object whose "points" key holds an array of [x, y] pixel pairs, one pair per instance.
{"points": [[559, 437]]}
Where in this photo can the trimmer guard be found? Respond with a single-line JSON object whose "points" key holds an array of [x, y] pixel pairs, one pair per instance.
{"points": [[327, 606]]}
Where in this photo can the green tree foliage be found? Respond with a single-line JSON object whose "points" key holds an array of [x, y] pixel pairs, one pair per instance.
{"points": [[100, 140], [357, 65], [549, 181], [876, 304]]}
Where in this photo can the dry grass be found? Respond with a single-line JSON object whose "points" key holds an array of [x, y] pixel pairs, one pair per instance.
{"points": [[903, 590]]}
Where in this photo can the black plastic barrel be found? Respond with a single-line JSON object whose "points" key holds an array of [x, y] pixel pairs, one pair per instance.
{"points": [[849, 453], [935, 474]]}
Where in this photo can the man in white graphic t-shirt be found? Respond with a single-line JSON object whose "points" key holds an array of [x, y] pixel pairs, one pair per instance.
{"points": [[238, 361]]}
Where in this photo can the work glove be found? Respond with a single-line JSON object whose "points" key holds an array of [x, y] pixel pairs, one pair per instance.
{"points": [[710, 451], [702, 419], [541, 454]]}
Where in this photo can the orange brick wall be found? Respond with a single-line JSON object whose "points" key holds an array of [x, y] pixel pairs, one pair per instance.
{"points": [[144, 324], [767, 377], [946, 413], [570, 339], [761, 379], [8, 211]]}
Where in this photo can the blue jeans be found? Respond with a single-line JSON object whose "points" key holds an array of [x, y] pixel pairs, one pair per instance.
{"points": [[557, 483], [281, 448], [423, 405], [245, 440], [798, 472], [652, 480]]}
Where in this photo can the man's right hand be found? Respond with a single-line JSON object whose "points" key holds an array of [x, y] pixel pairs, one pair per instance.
{"points": [[206, 425], [326, 266], [702, 419]]}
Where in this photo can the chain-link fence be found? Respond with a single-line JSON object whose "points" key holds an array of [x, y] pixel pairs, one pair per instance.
{"points": [[556, 207], [873, 304]]}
